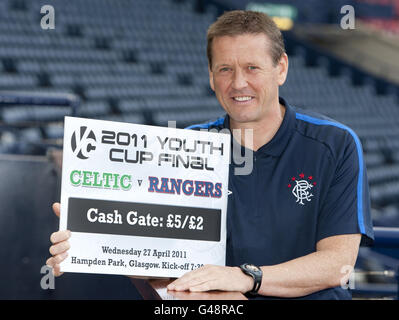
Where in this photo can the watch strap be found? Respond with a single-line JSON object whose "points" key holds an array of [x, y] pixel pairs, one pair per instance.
{"points": [[256, 275]]}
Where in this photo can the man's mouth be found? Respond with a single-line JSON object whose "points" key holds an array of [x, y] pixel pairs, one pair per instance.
{"points": [[243, 98]]}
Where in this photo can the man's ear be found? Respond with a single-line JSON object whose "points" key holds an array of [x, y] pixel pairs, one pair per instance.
{"points": [[282, 69], [211, 83]]}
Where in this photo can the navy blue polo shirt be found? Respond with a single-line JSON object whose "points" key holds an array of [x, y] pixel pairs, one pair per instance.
{"points": [[308, 183]]}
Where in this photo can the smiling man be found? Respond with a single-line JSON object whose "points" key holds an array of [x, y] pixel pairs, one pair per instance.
{"points": [[294, 224]]}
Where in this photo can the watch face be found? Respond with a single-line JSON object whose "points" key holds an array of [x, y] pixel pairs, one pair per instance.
{"points": [[251, 267], [256, 273]]}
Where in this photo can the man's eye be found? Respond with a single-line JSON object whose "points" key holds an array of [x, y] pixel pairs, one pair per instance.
{"points": [[252, 67], [224, 69]]}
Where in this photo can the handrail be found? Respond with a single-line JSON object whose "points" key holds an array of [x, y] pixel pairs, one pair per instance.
{"points": [[18, 98], [34, 98], [385, 237]]}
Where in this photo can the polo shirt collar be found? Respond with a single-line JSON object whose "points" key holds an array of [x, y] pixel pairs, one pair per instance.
{"points": [[280, 140]]}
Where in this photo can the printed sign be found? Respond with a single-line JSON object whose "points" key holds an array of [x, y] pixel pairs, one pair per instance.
{"points": [[143, 200]]}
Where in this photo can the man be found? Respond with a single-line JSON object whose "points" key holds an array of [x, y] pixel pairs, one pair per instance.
{"points": [[295, 222]]}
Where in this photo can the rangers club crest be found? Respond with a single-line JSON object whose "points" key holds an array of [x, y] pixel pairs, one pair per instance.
{"points": [[302, 188]]}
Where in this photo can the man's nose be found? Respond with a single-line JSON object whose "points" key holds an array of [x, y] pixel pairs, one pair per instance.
{"points": [[239, 80]]}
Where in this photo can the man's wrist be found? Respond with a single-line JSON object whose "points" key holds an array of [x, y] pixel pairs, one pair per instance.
{"points": [[255, 273], [246, 281]]}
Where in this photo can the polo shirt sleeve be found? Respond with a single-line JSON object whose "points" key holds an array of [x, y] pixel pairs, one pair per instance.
{"points": [[346, 209]]}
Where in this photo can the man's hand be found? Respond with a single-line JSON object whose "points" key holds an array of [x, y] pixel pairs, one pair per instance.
{"points": [[211, 277], [60, 247]]}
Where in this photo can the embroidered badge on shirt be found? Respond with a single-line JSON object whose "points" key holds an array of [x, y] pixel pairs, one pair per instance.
{"points": [[302, 188]]}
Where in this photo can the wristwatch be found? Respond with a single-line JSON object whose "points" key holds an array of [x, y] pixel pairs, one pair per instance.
{"points": [[256, 273]]}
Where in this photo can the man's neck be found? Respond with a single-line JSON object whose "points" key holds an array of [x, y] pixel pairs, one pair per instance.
{"points": [[262, 131]]}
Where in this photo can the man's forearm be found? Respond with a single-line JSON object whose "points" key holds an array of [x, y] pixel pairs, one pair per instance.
{"points": [[295, 278], [304, 275]]}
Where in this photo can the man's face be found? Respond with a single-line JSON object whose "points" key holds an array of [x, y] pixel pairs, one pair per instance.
{"points": [[244, 77]]}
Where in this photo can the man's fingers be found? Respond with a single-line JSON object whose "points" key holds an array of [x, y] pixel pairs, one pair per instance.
{"points": [[200, 273], [60, 257], [54, 263], [56, 209], [57, 270], [207, 278], [57, 259], [189, 279], [205, 286], [60, 245], [59, 248], [180, 282], [60, 236], [50, 262], [187, 285]]}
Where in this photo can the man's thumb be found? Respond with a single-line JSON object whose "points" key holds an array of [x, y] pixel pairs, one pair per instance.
{"points": [[56, 209]]}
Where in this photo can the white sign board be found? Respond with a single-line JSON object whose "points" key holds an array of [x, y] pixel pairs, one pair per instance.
{"points": [[143, 200]]}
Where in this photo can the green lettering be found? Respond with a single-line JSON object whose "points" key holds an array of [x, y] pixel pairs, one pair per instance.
{"points": [[95, 183], [73, 173], [86, 178], [129, 185], [107, 176], [98, 179], [116, 181]]}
